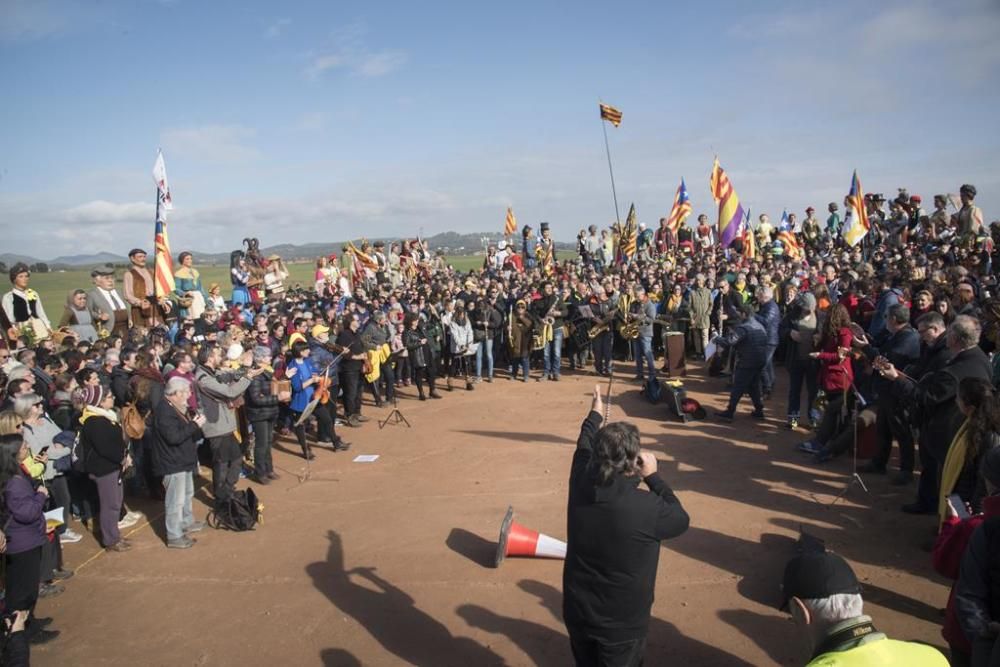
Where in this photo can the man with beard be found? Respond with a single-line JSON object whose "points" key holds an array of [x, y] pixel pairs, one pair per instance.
{"points": [[140, 292], [549, 311]]}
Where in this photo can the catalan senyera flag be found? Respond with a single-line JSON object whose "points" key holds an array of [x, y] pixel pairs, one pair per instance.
{"points": [[680, 210], [629, 235], [749, 244], [788, 239], [611, 114], [730, 209], [163, 265], [510, 225], [856, 223], [362, 258]]}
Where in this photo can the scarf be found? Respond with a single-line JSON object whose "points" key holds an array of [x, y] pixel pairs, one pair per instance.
{"points": [[94, 411], [954, 463]]}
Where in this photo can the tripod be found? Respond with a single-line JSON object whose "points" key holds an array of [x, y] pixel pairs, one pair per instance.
{"points": [[394, 417], [859, 403]]}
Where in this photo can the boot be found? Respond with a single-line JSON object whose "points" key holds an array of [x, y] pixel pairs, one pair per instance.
{"points": [[307, 453], [422, 397]]}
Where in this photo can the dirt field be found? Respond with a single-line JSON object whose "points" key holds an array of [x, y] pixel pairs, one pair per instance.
{"points": [[390, 563]]}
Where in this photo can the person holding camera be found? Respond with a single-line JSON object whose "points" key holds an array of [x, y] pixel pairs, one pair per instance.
{"points": [[613, 546], [176, 431]]}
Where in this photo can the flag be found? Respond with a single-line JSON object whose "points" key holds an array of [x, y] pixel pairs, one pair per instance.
{"points": [[611, 114], [365, 260], [680, 210], [730, 210], [163, 264], [856, 223], [628, 236], [749, 244], [510, 226], [787, 237]]}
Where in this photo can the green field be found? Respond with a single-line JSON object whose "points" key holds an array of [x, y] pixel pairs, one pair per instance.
{"points": [[55, 287]]}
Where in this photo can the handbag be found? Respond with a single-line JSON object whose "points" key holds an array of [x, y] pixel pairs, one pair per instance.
{"points": [[279, 386]]}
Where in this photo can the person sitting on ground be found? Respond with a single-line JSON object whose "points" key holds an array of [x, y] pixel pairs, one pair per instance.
{"points": [[823, 596]]}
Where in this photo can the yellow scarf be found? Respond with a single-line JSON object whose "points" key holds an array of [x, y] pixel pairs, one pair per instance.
{"points": [[954, 463]]}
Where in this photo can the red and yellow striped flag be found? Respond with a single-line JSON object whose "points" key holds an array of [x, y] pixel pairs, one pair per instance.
{"points": [[510, 225], [163, 263], [611, 114]]}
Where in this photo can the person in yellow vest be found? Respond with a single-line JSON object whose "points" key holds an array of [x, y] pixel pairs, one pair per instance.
{"points": [[823, 596]]}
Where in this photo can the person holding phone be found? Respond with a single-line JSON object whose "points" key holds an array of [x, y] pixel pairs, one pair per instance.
{"points": [[613, 544]]}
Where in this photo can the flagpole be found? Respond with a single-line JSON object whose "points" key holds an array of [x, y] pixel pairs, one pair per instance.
{"points": [[607, 148]]}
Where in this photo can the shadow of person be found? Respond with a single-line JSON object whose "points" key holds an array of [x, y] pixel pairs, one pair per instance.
{"points": [[474, 547], [543, 645], [664, 642], [767, 633], [338, 657], [391, 616]]}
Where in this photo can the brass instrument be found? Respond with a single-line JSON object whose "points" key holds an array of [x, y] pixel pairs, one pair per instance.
{"points": [[602, 326]]}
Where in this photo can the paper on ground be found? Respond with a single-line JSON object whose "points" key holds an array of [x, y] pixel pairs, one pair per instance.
{"points": [[366, 458]]}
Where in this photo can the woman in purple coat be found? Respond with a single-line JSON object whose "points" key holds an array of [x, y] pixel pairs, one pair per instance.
{"points": [[23, 519]]}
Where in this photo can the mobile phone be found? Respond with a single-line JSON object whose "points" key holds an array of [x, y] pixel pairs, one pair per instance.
{"points": [[958, 504], [43, 451]]}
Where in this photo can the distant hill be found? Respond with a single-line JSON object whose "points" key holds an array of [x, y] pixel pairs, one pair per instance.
{"points": [[452, 243], [87, 260]]}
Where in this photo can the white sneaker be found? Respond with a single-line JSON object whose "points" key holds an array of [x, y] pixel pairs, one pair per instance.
{"points": [[127, 522], [70, 537], [134, 516]]}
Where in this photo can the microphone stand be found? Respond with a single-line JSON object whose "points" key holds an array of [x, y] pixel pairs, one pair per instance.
{"points": [[859, 403]]}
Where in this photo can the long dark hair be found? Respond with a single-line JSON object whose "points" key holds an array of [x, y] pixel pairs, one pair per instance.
{"points": [[837, 318], [978, 394], [616, 449], [10, 446]]}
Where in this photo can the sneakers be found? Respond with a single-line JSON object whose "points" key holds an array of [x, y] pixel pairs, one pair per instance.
{"points": [[180, 543], [62, 574], [195, 527], [50, 590], [810, 447], [793, 423], [130, 519], [341, 446], [42, 636], [119, 547], [70, 537]]}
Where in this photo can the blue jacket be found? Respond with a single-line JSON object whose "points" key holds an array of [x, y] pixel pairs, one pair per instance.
{"points": [[770, 318], [886, 300], [25, 517], [302, 395], [749, 340]]}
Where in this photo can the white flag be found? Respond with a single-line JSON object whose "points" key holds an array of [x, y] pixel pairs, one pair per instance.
{"points": [[163, 201]]}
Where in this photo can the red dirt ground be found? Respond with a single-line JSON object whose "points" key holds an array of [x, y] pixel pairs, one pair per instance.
{"points": [[390, 563]]}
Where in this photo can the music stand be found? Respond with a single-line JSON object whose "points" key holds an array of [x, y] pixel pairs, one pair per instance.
{"points": [[394, 417], [859, 403]]}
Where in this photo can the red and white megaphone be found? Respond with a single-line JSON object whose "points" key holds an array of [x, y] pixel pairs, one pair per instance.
{"points": [[516, 540]]}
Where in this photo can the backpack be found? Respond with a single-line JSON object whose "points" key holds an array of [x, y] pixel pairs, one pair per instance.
{"points": [[238, 513], [653, 390], [133, 422]]}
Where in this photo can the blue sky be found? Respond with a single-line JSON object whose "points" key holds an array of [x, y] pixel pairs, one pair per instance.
{"points": [[313, 121]]}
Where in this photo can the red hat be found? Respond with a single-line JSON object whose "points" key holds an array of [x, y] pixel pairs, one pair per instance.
{"points": [[916, 198], [810, 210], [692, 407]]}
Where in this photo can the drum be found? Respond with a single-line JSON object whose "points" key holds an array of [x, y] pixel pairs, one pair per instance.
{"points": [[673, 354]]}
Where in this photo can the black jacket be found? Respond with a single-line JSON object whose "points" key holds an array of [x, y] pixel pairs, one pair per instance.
{"points": [[613, 545], [749, 340], [260, 405], [120, 386], [901, 349], [174, 446], [933, 397], [769, 316], [102, 446]]}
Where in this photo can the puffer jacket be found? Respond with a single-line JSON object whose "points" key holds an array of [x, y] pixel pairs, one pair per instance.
{"points": [[749, 340], [769, 316], [261, 405]]}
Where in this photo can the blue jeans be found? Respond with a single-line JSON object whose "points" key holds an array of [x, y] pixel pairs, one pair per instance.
{"points": [[180, 489], [553, 352], [524, 364], [800, 370], [485, 348], [642, 348], [767, 378]]}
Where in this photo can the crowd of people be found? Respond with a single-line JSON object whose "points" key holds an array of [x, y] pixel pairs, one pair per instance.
{"points": [[131, 389]]}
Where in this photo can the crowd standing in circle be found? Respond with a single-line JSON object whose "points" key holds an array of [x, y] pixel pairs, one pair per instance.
{"points": [[131, 393]]}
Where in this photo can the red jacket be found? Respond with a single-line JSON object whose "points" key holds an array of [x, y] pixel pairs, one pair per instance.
{"points": [[836, 374], [948, 551]]}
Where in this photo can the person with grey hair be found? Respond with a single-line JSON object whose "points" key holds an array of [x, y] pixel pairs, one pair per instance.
{"points": [[700, 308], [823, 596], [769, 315], [933, 396], [175, 457], [262, 413], [642, 311]]}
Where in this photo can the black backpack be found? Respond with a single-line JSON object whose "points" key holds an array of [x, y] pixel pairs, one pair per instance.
{"points": [[239, 512]]}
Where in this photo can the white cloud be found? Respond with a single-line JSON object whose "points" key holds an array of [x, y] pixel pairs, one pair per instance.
{"points": [[101, 211], [26, 20], [276, 28], [312, 121], [380, 64], [353, 55], [320, 64], [211, 143]]}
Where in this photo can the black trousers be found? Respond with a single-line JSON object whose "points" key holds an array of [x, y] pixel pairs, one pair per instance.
{"points": [[591, 651], [350, 382], [602, 352], [746, 381], [326, 430], [891, 424], [24, 575], [263, 438], [930, 474]]}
